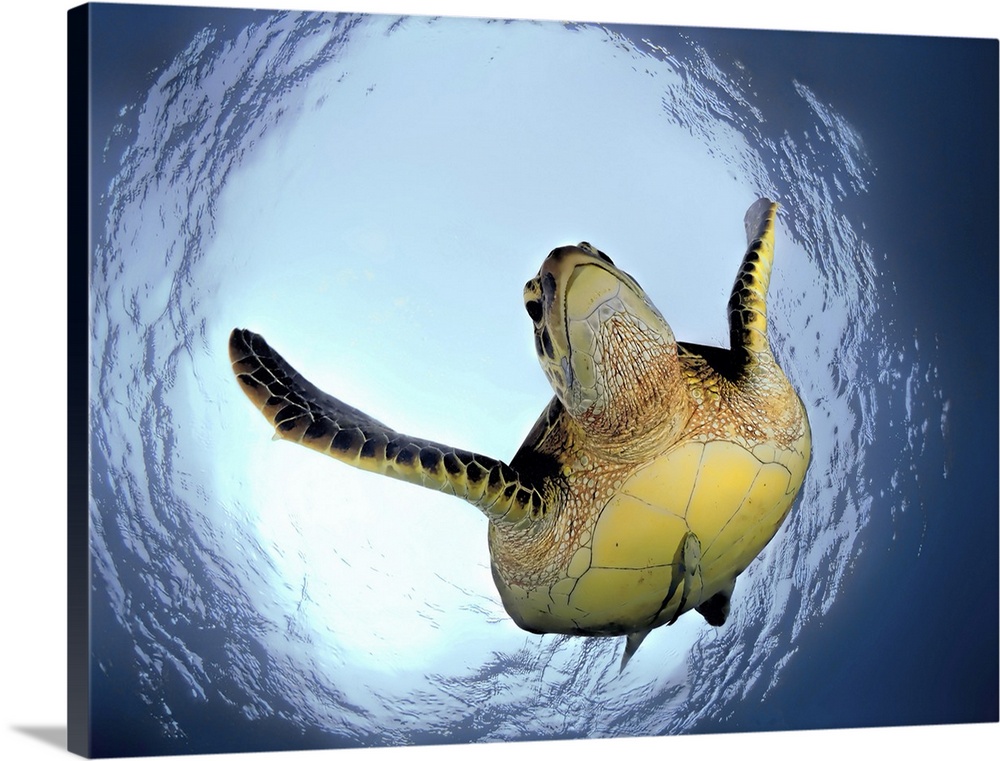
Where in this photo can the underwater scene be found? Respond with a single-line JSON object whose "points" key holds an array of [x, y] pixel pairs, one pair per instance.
{"points": [[371, 193]]}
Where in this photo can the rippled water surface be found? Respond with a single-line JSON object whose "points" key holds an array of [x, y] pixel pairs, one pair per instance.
{"points": [[371, 193]]}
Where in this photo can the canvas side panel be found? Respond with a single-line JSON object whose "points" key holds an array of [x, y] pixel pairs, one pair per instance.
{"points": [[78, 366]]}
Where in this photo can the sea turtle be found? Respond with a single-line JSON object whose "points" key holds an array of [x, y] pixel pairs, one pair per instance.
{"points": [[656, 474]]}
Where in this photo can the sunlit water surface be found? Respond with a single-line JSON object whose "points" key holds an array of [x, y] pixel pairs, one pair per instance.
{"points": [[371, 194]]}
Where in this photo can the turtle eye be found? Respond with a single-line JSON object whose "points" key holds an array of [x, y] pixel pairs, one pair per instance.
{"points": [[534, 308]]}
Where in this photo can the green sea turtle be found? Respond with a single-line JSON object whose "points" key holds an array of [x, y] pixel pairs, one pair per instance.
{"points": [[654, 477]]}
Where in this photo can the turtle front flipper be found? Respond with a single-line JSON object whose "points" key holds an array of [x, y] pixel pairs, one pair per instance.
{"points": [[301, 412], [748, 302]]}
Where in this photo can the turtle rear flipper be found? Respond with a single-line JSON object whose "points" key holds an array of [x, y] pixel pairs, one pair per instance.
{"points": [[686, 578], [301, 412], [715, 610]]}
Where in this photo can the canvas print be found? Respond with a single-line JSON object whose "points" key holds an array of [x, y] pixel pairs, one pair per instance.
{"points": [[461, 380]]}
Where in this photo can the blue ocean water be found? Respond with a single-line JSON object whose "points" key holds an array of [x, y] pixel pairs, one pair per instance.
{"points": [[371, 193]]}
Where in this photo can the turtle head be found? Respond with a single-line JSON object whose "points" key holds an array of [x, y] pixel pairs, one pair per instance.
{"points": [[607, 351]]}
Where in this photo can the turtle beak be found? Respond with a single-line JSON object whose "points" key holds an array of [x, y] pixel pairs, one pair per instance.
{"points": [[573, 281]]}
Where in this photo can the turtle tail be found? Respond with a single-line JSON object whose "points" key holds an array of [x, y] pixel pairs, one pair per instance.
{"points": [[302, 413], [748, 302]]}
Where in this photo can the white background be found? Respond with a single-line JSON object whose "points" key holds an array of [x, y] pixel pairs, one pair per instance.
{"points": [[33, 381]]}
